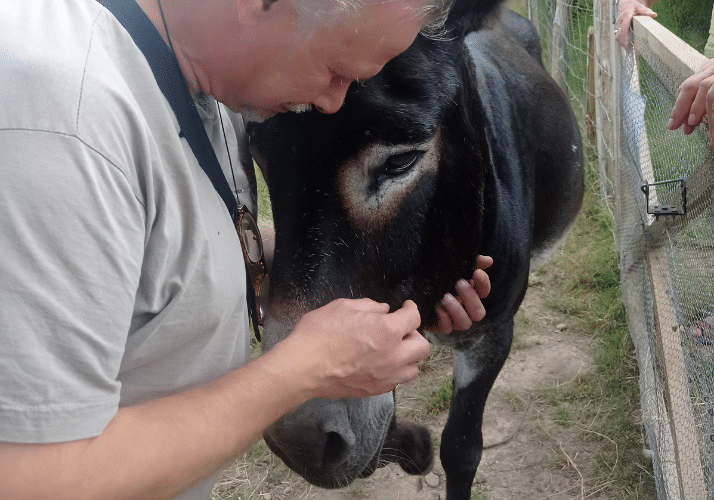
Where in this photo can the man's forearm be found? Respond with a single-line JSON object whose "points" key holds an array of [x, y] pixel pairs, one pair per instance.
{"points": [[347, 348], [161, 447]]}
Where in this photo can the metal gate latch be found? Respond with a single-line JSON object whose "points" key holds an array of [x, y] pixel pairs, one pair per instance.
{"points": [[672, 208]]}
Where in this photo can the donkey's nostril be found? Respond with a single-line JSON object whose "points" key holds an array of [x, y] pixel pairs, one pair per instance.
{"points": [[335, 448]]}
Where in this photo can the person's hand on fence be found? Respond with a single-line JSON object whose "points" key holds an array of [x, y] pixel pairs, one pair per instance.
{"points": [[626, 10], [695, 99]]}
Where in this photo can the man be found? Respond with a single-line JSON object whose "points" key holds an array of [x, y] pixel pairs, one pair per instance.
{"points": [[695, 97], [123, 322]]}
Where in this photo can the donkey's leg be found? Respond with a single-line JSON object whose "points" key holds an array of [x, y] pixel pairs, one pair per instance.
{"points": [[476, 367]]}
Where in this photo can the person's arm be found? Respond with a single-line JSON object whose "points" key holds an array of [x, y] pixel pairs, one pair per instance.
{"points": [[626, 10], [159, 448], [695, 100], [695, 97]]}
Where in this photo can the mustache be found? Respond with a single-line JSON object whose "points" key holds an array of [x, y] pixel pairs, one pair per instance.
{"points": [[299, 108]]}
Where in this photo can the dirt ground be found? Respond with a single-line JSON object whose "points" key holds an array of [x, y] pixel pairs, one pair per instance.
{"points": [[546, 457]]}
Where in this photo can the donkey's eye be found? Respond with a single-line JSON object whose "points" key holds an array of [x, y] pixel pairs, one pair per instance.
{"points": [[395, 168], [399, 164]]}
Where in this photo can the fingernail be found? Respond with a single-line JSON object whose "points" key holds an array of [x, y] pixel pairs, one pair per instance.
{"points": [[670, 123], [692, 119]]}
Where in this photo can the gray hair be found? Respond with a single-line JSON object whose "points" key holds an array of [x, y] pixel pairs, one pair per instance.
{"points": [[313, 14]]}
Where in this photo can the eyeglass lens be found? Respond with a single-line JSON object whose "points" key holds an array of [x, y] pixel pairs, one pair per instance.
{"points": [[251, 238]]}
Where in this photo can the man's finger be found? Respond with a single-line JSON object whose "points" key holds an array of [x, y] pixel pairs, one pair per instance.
{"points": [[406, 318], [409, 372], [414, 347], [362, 304]]}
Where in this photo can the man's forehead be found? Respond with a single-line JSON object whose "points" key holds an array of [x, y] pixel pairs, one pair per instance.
{"points": [[383, 26], [360, 52]]}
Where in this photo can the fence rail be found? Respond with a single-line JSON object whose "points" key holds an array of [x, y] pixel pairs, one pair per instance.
{"points": [[648, 176], [672, 61]]}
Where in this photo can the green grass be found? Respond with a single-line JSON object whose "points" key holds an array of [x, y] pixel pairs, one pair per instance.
{"points": [[440, 399], [520, 341], [511, 398], [562, 416], [478, 494], [518, 6], [265, 210]]}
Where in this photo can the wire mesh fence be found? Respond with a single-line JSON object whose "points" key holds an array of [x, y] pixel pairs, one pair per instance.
{"points": [[658, 185]]}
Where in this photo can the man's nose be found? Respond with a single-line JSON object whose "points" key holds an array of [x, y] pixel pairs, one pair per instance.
{"points": [[331, 101]]}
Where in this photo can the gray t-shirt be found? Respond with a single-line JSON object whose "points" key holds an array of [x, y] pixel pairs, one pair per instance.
{"points": [[121, 275]]}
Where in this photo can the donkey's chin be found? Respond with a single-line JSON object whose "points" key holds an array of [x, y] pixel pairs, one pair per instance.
{"points": [[409, 445]]}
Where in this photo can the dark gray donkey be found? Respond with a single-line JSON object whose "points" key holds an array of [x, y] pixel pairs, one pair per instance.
{"points": [[458, 147]]}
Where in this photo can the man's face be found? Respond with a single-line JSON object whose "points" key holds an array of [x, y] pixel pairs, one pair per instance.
{"points": [[293, 71]]}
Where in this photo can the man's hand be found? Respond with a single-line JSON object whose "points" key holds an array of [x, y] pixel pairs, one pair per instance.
{"points": [[458, 313], [695, 99], [626, 10], [357, 348]]}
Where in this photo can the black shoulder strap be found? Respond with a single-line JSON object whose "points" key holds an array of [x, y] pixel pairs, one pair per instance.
{"points": [[173, 84]]}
